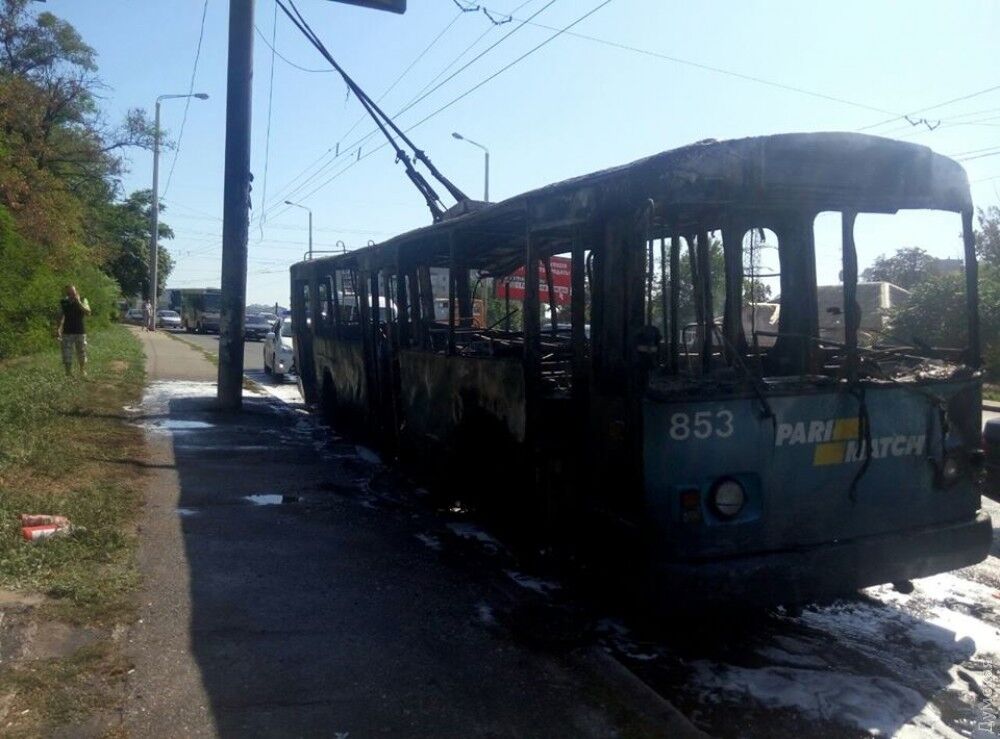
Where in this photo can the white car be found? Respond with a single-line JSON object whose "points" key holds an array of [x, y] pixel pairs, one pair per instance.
{"points": [[168, 319], [279, 351]]}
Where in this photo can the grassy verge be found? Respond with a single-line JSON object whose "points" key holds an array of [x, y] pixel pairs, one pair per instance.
{"points": [[991, 392], [65, 448], [213, 358]]}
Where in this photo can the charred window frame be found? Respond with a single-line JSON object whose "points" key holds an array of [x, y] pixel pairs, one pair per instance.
{"points": [[324, 323], [347, 304]]}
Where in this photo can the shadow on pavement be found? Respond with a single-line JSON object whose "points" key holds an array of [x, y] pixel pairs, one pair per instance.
{"points": [[316, 614]]}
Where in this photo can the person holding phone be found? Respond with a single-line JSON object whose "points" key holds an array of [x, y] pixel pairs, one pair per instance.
{"points": [[71, 330]]}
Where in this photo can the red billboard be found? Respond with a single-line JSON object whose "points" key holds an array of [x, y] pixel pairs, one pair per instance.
{"points": [[562, 271]]}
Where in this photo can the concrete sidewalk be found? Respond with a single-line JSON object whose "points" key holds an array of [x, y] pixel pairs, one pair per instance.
{"points": [[283, 599]]}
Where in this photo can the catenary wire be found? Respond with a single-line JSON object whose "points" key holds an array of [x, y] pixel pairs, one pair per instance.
{"points": [[267, 135], [558, 32], [357, 143], [284, 193], [342, 152], [187, 101]]}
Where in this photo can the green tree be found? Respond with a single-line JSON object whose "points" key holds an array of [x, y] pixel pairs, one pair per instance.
{"points": [[128, 228], [906, 268], [988, 236]]}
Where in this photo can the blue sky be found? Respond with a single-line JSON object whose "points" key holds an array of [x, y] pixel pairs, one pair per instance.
{"points": [[573, 107]]}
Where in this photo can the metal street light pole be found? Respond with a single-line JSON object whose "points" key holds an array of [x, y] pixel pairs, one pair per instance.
{"points": [[309, 211], [154, 239], [486, 152]]}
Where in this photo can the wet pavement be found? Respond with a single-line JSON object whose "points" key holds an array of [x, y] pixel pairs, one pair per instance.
{"points": [[288, 593]]}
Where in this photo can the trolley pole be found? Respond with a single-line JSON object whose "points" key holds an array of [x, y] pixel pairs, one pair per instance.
{"points": [[236, 204]]}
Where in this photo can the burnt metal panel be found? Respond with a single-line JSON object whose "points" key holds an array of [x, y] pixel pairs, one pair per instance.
{"points": [[344, 362], [442, 395]]}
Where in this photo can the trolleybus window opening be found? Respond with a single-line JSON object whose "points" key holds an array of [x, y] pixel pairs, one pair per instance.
{"points": [[761, 309], [942, 267], [335, 304], [836, 282], [323, 297], [307, 307]]}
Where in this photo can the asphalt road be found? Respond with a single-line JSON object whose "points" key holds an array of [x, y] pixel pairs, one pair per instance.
{"points": [[253, 351]]}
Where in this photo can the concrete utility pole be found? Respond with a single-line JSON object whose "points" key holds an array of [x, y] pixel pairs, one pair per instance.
{"points": [[236, 193], [154, 236], [236, 204], [309, 211]]}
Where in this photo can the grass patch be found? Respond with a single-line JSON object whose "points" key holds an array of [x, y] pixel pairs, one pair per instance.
{"points": [[213, 358], [991, 392], [66, 448], [61, 692]]}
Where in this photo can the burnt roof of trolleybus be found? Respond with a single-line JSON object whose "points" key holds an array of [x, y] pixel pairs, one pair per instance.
{"points": [[693, 188]]}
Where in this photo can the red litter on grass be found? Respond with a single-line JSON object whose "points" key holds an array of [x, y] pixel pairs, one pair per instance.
{"points": [[35, 527], [35, 533], [41, 519]]}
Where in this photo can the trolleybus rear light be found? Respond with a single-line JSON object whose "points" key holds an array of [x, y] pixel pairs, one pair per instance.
{"points": [[728, 498], [691, 505], [950, 470]]}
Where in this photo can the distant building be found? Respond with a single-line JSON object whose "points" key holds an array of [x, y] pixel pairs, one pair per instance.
{"points": [[946, 267], [875, 299]]}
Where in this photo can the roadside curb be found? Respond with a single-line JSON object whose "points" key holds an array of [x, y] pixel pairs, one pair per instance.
{"points": [[638, 696], [991, 405]]}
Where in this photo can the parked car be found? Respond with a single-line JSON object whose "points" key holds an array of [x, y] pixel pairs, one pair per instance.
{"points": [[134, 315], [255, 327], [991, 445], [279, 351], [168, 319]]}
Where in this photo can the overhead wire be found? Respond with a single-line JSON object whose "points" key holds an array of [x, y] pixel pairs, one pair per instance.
{"points": [[419, 98], [384, 123], [267, 135], [285, 59], [558, 32], [912, 113], [187, 100], [343, 151], [282, 193]]}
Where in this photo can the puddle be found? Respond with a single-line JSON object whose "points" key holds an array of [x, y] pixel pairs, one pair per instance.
{"points": [[272, 499], [485, 614], [187, 512], [432, 542], [473, 533], [368, 455], [176, 424], [542, 587]]}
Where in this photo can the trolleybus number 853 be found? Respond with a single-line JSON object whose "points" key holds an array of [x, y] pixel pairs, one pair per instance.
{"points": [[701, 425]]}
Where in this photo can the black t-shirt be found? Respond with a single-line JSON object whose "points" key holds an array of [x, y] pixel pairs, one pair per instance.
{"points": [[72, 317]]}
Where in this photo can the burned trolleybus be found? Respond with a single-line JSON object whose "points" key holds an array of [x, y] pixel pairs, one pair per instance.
{"points": [[785, 469]]}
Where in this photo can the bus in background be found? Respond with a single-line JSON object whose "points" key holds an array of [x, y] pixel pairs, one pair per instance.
{"points": [[199, 307]]}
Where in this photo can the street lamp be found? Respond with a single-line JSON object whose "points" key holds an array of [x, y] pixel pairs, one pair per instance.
{"points": [[486, 152], [307, 210], [154, 250]]}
